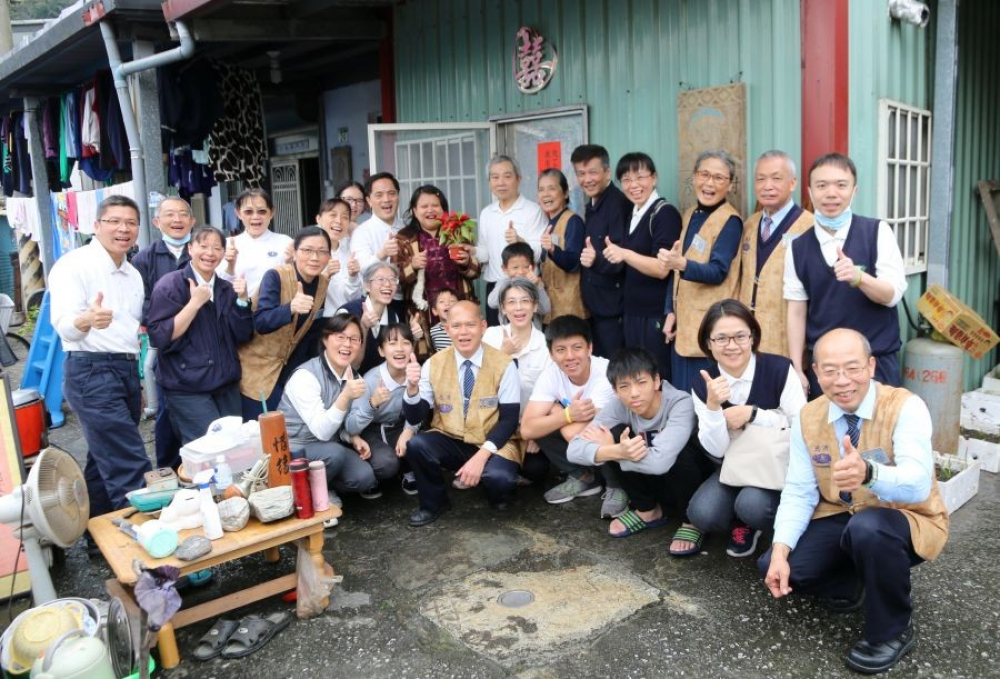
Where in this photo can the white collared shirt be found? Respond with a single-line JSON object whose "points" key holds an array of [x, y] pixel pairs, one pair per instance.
{"points": [[713, 432], [531, 360], [255, 257], [888, 264], [369, 238], [210, 283], [529, 221], [74, 282], [343, 287], [639, 212]]}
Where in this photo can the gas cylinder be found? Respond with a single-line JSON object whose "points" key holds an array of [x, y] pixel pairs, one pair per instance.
{"points": [[933, 371]]}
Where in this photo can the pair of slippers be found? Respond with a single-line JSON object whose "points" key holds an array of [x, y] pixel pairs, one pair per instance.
{"points": [[633, 523], [231, 639]]}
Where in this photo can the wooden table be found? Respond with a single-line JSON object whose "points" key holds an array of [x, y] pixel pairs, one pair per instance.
{"points": [[120, 550]]}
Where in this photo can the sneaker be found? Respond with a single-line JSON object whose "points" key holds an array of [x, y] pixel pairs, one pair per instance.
{"points": [[409, 483], [571, 488], [615, 503], [742, 541], [458, 484], [335, 499], [372, 493]]}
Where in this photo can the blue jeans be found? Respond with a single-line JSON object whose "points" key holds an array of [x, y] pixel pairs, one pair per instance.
{"points": [[192, 413], [715, 506], [104, 392]]}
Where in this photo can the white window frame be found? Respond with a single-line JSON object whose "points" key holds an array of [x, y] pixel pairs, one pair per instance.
{"points": [[911, 230]]}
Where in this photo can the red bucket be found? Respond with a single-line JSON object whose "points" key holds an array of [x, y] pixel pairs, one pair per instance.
{"points": [[29, 413]]}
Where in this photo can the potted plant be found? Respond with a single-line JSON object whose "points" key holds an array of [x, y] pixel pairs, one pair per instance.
{"points": [[457, 230]]}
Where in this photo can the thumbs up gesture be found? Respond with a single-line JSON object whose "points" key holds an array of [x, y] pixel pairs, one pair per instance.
{"points": [[333, 268], [353, 387], [716, 390], [845, 270], [390, 249], [413, 373], [547, 240], [379, 396], [631, 448], [353, 265], [588, 254], [240, 286], [231, 254], [581, 409], [301, 303], [200, 294], [849, 471], [672, 259], [613, 253], [510, 235], [99, 316]]}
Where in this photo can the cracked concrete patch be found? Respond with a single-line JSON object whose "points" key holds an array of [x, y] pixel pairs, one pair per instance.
{"points": [[570, 605], [453, 554], [341, 599]]}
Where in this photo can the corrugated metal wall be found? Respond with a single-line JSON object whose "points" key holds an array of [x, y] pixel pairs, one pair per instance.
{"points": [[974, 267], [625, 59]]}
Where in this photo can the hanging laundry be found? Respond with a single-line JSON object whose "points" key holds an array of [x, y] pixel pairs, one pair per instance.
{"points": [[190, 103], [22, 161], [115, 153], [90, 127], [7, 155], [50, 127], [188, 176], [238, 148]]}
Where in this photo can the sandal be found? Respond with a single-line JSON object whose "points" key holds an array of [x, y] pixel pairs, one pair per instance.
{"points": [[687, 534], [253, 633], [212, 643], [635, 524]]}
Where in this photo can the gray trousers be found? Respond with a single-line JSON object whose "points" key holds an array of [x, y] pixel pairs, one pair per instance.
{"points": [[346, 472]]}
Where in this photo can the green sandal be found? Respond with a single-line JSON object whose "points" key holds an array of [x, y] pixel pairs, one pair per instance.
{"points": [[687, 534], [634, 524]]}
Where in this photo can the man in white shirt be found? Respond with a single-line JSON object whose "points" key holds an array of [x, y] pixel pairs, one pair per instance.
{"points": [[509, 219], [376, 238], [847, 273], [96, 301], [569, 393]]}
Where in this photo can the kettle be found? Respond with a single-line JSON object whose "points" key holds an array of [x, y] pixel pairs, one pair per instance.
{"points": [[74, 655]]}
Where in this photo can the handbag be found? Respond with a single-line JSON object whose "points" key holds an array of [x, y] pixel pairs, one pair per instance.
{"points": [[757, 457]]}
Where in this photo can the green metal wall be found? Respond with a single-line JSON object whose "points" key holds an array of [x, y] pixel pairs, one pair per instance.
{"points": [[625, 59], [974, 267]]}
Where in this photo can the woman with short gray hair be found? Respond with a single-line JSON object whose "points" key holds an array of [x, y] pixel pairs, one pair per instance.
{"points": [[376, 309]]}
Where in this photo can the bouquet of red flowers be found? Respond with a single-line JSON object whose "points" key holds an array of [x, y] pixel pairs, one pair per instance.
{"points": [[457, 228]]}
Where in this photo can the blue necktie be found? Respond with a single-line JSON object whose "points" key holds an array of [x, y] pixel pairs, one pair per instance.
{"points": [[854, 433], [468, 379]]}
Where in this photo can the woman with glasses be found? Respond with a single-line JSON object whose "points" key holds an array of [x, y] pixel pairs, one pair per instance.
{"points": [[257, 249], [421, 250], [522, 341], [196, 322], [703, 264], [742, 388], [654, 225], [316, 401], [353, 193], [377, 310], [290, 299]]}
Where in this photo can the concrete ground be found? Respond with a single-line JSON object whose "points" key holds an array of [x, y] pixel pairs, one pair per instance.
{"points": [[424, 602]]}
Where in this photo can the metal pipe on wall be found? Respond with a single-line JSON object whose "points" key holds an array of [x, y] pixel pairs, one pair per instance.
{"points": [[120, 71]]}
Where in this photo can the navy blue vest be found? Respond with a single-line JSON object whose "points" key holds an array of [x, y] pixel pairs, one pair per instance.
{"points": [[833, 304], [769, 380]]}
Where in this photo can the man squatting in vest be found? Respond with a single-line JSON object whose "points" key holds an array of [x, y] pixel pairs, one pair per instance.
{"points": [[861, 504], [848, 273], [474, 394]]}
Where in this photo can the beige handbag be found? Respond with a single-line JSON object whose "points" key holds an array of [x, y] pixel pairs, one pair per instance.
{"points": [[757, 457]]}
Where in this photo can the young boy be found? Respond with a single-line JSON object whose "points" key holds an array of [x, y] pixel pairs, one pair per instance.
{"points": [[519, 262], [659, 464], [445, 299]]}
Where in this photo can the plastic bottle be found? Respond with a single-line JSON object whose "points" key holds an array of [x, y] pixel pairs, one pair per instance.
{"points": [[209, 510], [223, 474]]}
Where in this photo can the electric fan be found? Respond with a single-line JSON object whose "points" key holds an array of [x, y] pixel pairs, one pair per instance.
{"points": [[55, 506]]}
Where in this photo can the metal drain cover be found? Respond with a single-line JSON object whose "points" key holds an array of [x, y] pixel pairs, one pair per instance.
{"points": [[516, 598]]}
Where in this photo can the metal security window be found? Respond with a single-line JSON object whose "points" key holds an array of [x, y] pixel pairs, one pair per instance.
{"points": [[904, 143]]}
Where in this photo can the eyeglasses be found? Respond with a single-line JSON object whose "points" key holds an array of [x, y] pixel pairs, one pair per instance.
{"points": [[115, 223], [250, 212], [514, 303], [350, 339], [850, 371], [353, 201], [382, 280], [630, 179], [706, 176], [310, 253], [742, 339]]}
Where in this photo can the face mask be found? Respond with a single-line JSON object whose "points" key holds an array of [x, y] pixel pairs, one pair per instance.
{"points": [[176, 242], [838, 222]]}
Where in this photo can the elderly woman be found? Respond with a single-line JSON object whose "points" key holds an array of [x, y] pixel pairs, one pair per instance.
{"points": [[562, 243], [196, 321], [525, 343], [290, 298], [742, 390], [703, 264], [257, 249], [420, 250], [353, 193], [316, 401], [377, 309], [344, 272]]}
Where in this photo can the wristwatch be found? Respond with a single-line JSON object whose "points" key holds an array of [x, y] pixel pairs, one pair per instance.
{"points": [[871, 474], [753, 414]]}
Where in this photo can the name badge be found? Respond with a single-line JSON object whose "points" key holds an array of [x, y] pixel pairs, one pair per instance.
{"points": [[489, 402], [786, 239], [272, 254], [876, 455], [555, 239], [443, 404], [698, 243]]}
